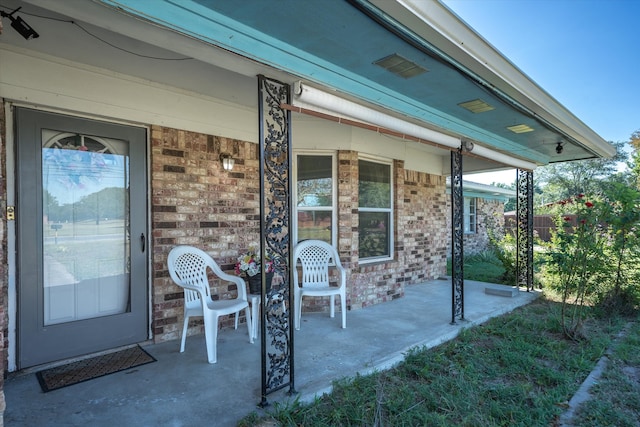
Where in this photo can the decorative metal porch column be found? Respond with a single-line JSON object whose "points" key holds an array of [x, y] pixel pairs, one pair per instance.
{"points": [[276, 308], [457, 238], [524, 229]]}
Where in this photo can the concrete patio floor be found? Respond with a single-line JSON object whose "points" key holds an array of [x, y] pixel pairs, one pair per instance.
{"points": [[182, 389]]}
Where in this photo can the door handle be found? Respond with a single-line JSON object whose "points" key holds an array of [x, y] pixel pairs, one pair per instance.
{"points": [[143, 242]]}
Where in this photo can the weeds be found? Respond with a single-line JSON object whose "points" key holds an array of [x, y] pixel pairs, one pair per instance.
{"points": [[515, 370]]}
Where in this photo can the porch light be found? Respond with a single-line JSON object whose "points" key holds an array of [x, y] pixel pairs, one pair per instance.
{"points": [[227, 161], [20, 26]]}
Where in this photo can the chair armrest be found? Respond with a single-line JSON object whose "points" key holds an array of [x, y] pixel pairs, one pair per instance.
{"points": [[239, 281]]}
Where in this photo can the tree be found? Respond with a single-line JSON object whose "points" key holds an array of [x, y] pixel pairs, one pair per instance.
{"points": [[634, 163], [561, 181]]}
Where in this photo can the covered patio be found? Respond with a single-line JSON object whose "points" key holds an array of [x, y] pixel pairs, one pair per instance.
{"points": [[184, 390]]}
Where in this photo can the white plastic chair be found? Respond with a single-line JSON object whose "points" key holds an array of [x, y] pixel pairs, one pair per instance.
{"points": [[188, 268], [316, 256]]}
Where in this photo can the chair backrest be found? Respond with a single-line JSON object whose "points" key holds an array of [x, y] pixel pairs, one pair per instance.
{"points": [[188, 268], [315, 256]]}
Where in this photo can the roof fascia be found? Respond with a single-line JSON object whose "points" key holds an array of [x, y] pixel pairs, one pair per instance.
{"points": [[480, 195], [485, 191]]}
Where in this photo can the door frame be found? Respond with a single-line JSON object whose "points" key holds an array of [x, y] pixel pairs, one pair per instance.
{"points": [[10, 143]]}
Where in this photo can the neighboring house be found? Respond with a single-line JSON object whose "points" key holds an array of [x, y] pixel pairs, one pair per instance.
{"points": [[483, 210], [114, 120]]}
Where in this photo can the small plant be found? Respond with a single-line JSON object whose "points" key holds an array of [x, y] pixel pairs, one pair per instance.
{"points": [[504, 246], [575, 260]]}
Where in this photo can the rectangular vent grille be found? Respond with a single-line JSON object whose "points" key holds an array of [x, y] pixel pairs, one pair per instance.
{"points": [[400, 66]]}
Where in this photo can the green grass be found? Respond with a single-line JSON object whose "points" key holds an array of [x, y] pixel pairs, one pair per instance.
{"points": [[514, 370], [616, 396], [483, 266]]}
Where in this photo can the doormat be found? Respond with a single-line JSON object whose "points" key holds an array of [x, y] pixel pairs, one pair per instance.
{"points": [[94, 367]]}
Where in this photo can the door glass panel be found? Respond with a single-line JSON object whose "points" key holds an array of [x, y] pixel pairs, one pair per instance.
{"points": [[85, 204]]}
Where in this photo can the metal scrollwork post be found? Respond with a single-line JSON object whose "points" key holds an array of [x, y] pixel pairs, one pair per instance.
{"points": [[457, 215], [524, 229], [275, 215]]}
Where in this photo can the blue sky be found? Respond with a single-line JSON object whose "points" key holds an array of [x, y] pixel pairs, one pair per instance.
{"points": [[584, 53]]}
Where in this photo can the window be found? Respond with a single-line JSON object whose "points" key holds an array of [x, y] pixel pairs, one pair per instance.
{"points": [[469, 215], [315, 198], [375, 209]]}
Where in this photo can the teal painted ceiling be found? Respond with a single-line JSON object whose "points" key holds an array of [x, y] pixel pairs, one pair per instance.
{"points": [[335, 44]]}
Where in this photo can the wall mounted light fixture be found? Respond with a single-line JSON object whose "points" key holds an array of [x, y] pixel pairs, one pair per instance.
{"points": [[20, 26], [227, 161], [559, 148]]}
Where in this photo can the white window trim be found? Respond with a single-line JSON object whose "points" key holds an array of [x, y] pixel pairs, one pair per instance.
{"points": [[389, 163], [467, 216], [334, 196]]}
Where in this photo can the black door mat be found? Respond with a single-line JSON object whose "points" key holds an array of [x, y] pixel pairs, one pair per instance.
{"points": [[94, 367]]}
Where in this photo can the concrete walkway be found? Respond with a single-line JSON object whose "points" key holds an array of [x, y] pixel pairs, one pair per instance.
{"points": [[184, 390]]}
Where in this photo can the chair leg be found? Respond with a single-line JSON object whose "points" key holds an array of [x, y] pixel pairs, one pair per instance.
{"points": [[237, 314], [297, 314], [184, 333], [343, 306], [211, 336], [332, 310], [250, 320]]}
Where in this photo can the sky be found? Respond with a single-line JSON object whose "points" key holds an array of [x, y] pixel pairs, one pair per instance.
{"points": [[584, 53]]}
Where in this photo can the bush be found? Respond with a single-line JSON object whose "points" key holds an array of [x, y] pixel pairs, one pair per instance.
{"points": [[596, 260]]}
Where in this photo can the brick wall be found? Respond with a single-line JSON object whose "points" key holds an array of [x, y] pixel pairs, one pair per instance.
{"points": [[195, 202], [489, 215], [424, 226]]}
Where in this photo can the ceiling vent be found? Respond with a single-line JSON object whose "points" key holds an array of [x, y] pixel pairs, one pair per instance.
{"points": [[520, 128], [476, 106], [400, 66]]}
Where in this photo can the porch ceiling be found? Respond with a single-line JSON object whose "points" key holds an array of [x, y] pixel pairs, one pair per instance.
{"points": [[335, 44]]}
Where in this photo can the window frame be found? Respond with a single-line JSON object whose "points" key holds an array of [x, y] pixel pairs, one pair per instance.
{"points": [[334, 194], [390, 210], [470, 219]]}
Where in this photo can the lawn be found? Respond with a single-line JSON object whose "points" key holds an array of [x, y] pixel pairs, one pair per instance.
{"points": [[518, 369], [483, 266], [616, 395], [514, 370]]}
